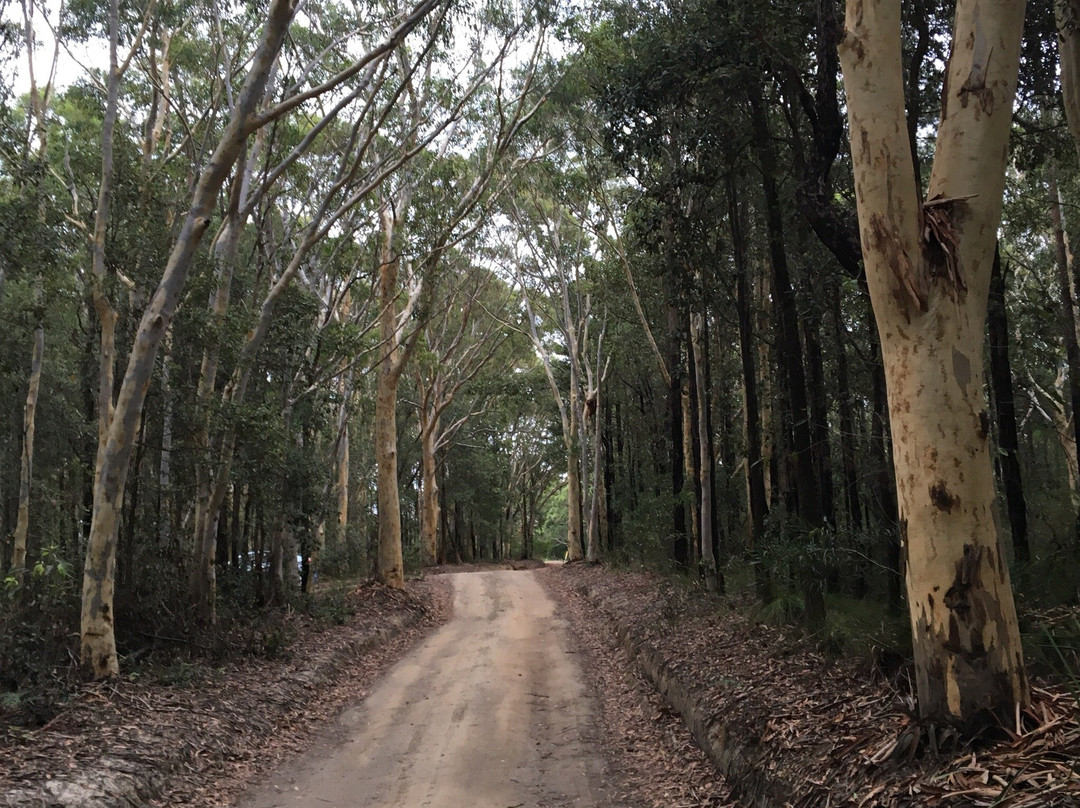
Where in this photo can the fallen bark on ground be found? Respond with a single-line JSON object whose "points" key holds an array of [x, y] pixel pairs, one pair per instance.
{"points": [[127, 743], [789, 726]]}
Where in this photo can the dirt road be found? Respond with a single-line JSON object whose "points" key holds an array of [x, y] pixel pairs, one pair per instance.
{"points": [[489, 712]]}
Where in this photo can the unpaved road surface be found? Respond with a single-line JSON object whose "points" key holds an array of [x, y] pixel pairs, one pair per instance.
{"points": [[490, 712]]}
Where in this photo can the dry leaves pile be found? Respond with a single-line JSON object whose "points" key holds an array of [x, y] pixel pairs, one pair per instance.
{"points": [[831, 733], [128, 742]]}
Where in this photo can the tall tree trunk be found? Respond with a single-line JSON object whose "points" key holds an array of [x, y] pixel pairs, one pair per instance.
{"points": [[847, 422], [793, 376], [429, 492], [98, 641], [757, 498], [390, 567], [1064, 265], [165, 496], [679, 549], [692, 482], [1067, 13], [597, 507], [821, 451], [928, 269], [341, 488], [574, 509], [708, 558], [22, 523], [1005, 406]]}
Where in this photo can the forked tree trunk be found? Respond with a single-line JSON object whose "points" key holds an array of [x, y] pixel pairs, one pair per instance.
{"points": [[930, 296]]}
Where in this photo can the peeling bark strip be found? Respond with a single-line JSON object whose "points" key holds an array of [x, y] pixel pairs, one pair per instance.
{"points": [[928, 270]]}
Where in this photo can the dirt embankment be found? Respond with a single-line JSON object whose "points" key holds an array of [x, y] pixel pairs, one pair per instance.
{"points": [[789, 726], [197, 742]]}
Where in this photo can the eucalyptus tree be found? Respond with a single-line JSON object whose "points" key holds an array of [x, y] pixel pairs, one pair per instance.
{"points": [[554, 253], [928, 265], [98, 644], [412, 259], [458, 342], [33, 156]]}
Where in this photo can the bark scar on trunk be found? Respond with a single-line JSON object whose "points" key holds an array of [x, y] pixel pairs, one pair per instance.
{"points": [[975, 84], [940, 241], [967, 576], [944, 500], [913, 290]]}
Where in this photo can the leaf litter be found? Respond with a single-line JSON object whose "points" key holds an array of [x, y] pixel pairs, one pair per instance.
{"points": [[200, 742], [832, 732]]}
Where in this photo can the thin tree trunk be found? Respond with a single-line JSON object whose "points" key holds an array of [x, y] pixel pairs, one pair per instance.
{"points": [[1005, 405], [757, 498], [692, 482], [342, 485], [708, 558], [847, 422], [18, 559], [1064, 265], [165, 499], [793, 374], [390, 568], [429, 492], [680, 549]]}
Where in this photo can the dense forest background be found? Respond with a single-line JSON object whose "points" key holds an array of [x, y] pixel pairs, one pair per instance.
{"points": [[483, 280]]}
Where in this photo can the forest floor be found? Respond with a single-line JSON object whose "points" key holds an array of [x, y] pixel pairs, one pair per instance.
{"points": [[792, 726], [665, 664], [196, 733]]}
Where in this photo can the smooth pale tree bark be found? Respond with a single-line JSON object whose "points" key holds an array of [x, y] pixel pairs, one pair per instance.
{"points": [[429, 493], [1063, 265], [1052, 407], [390, 570], [341, 486], [928, 269], [1067, 13], [594, 382], [39, 103], [98, 641], [569, 418]]}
